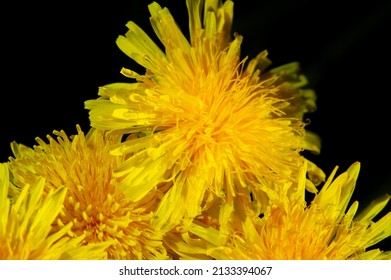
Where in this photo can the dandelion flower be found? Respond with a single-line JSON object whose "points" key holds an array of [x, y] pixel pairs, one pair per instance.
{"points": [[97, 208], [26, 231], [327, 229], [208, 124]]}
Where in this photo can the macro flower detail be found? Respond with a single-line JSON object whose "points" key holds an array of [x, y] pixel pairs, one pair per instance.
{"points": [[26, 231], [208, 123], [95, 208], [327, 229], [201, 157]]}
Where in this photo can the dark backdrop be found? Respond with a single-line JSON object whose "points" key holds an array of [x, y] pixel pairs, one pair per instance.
{"points": [[55, 56]]}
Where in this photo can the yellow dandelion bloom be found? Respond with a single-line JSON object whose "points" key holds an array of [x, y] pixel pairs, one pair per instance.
{"points": [[206, 122], [95, 205], [327, 229], [26, 231]]}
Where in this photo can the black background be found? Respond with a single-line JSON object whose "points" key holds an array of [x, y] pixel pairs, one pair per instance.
{"points": [[55, 56]]}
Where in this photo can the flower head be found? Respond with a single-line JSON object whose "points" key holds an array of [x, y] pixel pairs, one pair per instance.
{"points": [[26, 230], [326, 229], [208, 124], [95, 205]]}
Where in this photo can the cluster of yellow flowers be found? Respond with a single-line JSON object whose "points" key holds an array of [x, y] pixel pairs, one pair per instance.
{"points": [[198, 158]]}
